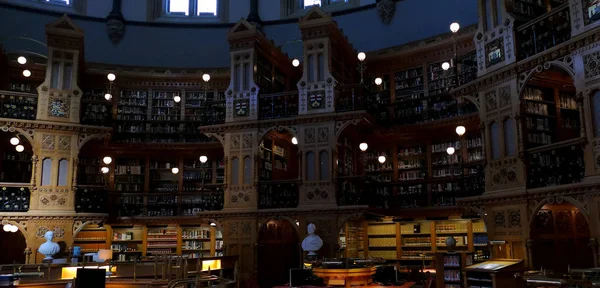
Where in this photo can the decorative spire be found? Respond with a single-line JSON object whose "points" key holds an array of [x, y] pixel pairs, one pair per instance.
{"points": [[115, 23], [253, 17]]}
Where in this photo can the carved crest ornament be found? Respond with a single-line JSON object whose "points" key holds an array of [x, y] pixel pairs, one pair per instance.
{"points": [[386, 10]]}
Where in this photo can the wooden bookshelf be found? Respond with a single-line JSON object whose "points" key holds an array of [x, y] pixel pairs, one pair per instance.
{"points": [[132, 113], [130, 174], [89, 174], [95, 109], [355, 239], [91, 238], [438, 80], [382, 240], [15, 166], [126, 242], [551, 115], [162, 240]]}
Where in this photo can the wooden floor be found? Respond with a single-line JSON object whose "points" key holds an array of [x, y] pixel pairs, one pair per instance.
{"points": [[407, 285]]}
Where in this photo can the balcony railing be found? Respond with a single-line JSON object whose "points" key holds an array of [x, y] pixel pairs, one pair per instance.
{"points": [[278, 194], [211, 114], [352, 98], [544, 32], [426, 109], [350, 191], [421, 193], [14, 198], [278, 105], [556, 165], [18, 105], [167, 204], [91, 200]]}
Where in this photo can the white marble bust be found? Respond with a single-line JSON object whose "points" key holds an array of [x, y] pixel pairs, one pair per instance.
{"points": [[312, 243], [49, 248]]}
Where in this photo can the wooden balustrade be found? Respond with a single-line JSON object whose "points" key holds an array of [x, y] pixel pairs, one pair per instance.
{"points": [[278, 105], [14, 197], [278, 194], [557, 164], [167, 204], [18, 105], [544, 32]]}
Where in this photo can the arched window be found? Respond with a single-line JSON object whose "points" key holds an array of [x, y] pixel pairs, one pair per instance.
{"points": [[596, 107], [495, 140], [235, 171], [324, 165], [310, 166], [247, 170], [510, 142], [63, 171], [46, 171]]}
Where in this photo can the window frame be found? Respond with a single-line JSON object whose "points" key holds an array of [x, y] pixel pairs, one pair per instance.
{"points": [[299, 9], [222, 13]]}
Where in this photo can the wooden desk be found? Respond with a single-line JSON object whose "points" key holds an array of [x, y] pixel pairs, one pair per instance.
{"points": [[346, 277]]}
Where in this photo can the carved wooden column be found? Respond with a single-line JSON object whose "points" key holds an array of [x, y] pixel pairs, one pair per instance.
{"points": [[529, 246], [594, 245], [241, 191]]}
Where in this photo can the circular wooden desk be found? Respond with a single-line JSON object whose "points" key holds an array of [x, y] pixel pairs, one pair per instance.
{"points": [[346, 277]]}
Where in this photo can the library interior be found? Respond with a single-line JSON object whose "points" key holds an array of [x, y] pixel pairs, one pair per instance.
{"points": [[300, 143]]}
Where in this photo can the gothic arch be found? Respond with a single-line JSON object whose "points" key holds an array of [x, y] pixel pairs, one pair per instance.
{"points": [[340, 126], [287, 218], [472, 100], [558, 199], [264, 131], [219, 137], [78, 226], [565, 64], [342, 220], [22, 225], [84, 138], [28, 134]]}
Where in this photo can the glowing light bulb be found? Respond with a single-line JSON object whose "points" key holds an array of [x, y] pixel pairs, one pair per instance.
{"points": [[454, 27], [450, 150], [378, 81], [26, 73], [107, 96], [362, 56], [107, 160], [363, 146], [22, 60], [20, 148], [206, 77], [6, 228], [203, 159], [381, 159], [213, 224], [445, 66], [104, 170], [111, 77], [175, 170], [460, 130], [14, 228], [14, 141], [296, 62], [177, 98], [294, 140]]}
